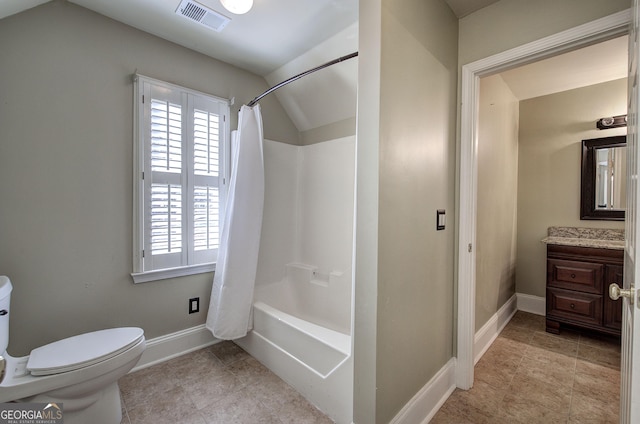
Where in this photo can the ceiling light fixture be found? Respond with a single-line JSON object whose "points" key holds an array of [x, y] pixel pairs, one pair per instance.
{"points": [[237, 7]]}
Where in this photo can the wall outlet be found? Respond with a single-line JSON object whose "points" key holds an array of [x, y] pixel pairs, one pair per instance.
{"points": [[194, 305]]}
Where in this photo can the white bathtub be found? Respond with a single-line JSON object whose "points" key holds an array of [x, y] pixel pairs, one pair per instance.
{"points": [[315, 359]]}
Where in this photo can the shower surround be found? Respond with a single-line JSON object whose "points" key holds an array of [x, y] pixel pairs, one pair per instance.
{"points": [[302, 314]]}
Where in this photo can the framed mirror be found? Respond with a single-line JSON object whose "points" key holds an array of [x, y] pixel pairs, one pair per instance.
{"points": [[604, 178]]}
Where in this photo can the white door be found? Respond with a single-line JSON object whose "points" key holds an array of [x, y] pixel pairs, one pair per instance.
{"points": [[630, 375]]}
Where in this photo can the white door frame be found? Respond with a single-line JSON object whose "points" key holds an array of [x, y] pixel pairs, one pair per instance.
{"points": [[590, 33]]}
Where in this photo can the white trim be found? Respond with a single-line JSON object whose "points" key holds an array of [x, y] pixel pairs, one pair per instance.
{"points": [[426, 403], [490, 331], [467, 234], [138, 183], [163, 274], [598, 30], [169, 346], [173, 86], [532, 304]]}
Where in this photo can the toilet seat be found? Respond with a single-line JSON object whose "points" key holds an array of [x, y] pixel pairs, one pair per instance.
{"points": [[82, 351]]}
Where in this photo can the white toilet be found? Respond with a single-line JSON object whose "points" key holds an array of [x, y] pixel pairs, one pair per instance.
{"points": [[80, 372]]}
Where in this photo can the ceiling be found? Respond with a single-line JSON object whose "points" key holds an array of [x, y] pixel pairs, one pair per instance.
{"points": [[281, 38], [598, 63]]}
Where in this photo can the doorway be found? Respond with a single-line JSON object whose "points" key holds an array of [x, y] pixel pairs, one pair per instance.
{"points": [[594, 32]]}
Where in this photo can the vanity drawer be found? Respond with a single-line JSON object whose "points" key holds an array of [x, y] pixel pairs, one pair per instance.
{"points": [[575, 275], [573, 306]]}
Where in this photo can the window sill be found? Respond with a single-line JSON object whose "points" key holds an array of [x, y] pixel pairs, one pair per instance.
{"points": [[163, 274]]}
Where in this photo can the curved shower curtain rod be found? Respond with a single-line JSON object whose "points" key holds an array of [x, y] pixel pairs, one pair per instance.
{"points": [[305, 73]]}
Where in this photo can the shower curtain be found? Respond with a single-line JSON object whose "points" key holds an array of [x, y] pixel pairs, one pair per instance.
{"points": [[234, 279]]}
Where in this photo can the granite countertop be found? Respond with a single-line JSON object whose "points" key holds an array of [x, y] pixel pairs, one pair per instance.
{"points": [[586, 237]]}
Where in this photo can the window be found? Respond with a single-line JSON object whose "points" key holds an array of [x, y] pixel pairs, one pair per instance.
{"points": [[181, 139]]}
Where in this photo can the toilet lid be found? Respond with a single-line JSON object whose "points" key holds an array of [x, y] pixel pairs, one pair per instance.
{"points": [[83, 350]]}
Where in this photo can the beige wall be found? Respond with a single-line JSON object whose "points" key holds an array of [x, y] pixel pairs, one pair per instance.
{"points": [[551, 132], [66, 124], [497, 197], [415, 138], [511, 23]]}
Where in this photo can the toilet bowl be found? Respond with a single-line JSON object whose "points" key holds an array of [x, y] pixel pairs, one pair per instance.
{"points": [[81, 372]]}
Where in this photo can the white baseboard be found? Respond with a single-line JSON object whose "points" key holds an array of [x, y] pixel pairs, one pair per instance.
{"points": [[169, 346], [424, 405], [488, 333], [532, 304]]}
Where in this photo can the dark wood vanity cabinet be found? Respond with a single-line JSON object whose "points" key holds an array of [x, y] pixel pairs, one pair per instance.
{"points": [[578, 280]]}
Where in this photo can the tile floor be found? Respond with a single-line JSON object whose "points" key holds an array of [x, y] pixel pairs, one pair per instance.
{"points": [[530, 376], [527, 376], [220, 384]]}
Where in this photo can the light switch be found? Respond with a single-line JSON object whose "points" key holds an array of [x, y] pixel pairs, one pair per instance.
{"points": [[440, 219]]}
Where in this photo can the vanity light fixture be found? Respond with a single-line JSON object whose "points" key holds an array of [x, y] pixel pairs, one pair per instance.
{"points": [[237, 7], [611, 122]]}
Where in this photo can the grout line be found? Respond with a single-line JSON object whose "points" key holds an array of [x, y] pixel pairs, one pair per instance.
{"points": [[573, 383], [125, 412], [128, 420]]}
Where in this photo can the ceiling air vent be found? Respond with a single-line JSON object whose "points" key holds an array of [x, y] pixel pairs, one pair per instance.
{"points": [[203, 15]]}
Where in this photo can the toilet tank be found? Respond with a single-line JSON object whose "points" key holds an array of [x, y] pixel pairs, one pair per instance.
{"points": [[5, 300]]}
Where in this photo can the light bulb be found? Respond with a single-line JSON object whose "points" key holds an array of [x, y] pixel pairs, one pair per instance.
{"points": [[607, 121], [237, 7]]}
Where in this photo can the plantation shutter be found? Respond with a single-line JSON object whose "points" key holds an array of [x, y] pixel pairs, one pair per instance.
{"points": [[207, 122], [182, 143], [165, 203]]}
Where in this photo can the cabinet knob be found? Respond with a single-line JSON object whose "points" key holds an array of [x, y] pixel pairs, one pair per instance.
{"points": [[573, 306], [573, 275]]}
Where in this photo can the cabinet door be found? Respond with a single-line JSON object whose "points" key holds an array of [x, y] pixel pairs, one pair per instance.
{"points": [[612, 309]]}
